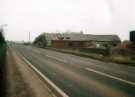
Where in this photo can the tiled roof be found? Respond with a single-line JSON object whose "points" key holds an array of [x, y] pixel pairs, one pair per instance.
{"points": [[80, 37]]}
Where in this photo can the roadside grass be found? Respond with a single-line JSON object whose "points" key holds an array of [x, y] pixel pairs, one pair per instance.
{"points": [[110, 58], [82, 54], [14, 78], [122, 59]]}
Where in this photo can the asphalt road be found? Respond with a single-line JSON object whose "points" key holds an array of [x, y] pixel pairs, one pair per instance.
{"points": [[82, 77]]}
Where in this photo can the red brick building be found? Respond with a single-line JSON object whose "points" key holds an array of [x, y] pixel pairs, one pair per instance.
{"points": [[80, 40], [72, 44]]}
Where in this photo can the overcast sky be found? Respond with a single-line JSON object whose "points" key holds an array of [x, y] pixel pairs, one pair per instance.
{"points": [[91, 16]]}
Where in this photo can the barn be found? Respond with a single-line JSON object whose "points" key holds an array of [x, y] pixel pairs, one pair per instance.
{"points": [[80, 40]]}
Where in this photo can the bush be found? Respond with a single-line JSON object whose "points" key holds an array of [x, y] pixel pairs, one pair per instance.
{"points": [[2, 69], [102, 51], [27, 43], [121, 51], [2, 54], [121, 59], [40, 41], [2, 39], [76, 52], [112, 58]]}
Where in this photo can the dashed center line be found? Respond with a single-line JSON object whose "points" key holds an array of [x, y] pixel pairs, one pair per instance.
{"points": [[61, 60], [98, 72], [110, 76]]}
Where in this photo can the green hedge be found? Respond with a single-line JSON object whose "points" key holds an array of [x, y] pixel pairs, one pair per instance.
{"points": [[2, 53], [116, 59], [122, 59], [102, 51], [2, 70], [83, 54]]}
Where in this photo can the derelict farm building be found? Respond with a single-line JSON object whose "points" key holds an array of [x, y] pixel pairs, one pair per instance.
{"points": [[80, 40]]}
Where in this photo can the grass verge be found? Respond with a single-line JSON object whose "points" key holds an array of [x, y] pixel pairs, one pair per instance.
{"points": [[115, 59]]}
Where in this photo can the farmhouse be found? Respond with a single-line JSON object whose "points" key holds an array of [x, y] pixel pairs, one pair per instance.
{"points": [[80, 40]]}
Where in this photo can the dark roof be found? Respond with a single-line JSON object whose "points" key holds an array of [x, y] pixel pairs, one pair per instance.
{"points": [[103, 37], [80, 37]]}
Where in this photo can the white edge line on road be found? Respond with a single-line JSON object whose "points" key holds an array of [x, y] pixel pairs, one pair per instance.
{"points": [[46, 79], [110, 76], [98, 72]]}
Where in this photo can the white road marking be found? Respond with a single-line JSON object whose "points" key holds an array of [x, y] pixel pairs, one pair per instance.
{"points": [[56, 88], [62, 60], [110, 76], [98, 72]]}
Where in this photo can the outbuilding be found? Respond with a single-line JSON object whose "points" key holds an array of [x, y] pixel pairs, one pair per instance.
{"points": [[80, 40]]}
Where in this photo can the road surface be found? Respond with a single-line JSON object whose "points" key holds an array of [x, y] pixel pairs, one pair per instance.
{"points": [[81, 77]]}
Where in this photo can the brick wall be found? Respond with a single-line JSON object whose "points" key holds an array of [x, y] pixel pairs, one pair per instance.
{"points": [[71, 44]]}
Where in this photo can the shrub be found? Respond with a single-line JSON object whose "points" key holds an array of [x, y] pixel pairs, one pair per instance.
{"points": [[2, 69], [102, 51], [2, 52], [40, 41], [121, 59]]}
